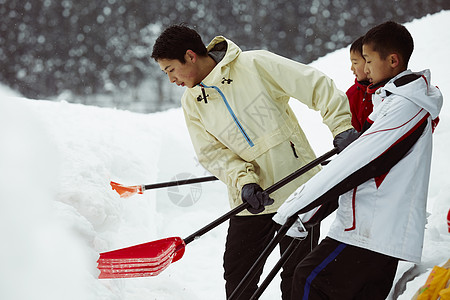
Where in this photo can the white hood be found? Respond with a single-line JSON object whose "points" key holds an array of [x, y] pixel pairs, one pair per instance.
{"points": [[419, 91]]}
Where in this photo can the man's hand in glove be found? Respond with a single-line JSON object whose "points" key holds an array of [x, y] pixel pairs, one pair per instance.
{"points": [[345, 138], [254, 195]]}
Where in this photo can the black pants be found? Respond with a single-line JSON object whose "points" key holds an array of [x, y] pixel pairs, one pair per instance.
{"points": [[247, 238], [336, 270]]}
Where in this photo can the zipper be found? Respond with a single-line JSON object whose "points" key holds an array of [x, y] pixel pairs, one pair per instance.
{"points": [[230, 110], [353, 211], [293, 149]]}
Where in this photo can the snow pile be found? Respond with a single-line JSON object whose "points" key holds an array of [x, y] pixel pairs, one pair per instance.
{"points": [[57, 210]]}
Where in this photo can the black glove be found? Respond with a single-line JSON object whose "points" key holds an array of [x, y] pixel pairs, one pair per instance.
{"points": [[254, 195], [345, 138]]}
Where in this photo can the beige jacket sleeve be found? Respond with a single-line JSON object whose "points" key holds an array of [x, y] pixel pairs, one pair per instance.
{"points": [[308, 85]]}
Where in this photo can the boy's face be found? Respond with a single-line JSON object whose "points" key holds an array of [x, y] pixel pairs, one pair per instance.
{"points": [[376, 68], [182, 74], [358, 63]]}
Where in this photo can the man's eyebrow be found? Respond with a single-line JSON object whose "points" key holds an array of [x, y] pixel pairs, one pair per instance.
{"points": [[166, 68]]}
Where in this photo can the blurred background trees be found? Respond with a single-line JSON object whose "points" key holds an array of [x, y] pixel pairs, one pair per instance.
{"points": [[98, 52]]}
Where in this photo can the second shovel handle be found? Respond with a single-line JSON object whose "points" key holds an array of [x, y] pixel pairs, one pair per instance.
{"points": [[269, 190]]}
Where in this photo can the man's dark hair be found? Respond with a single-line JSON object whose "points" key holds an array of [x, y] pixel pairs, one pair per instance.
{"points": [[175, 41], [357, 45], [390, 37]]}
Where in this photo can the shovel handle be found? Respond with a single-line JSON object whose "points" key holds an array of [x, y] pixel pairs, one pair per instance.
{"points": [[261, 259], [269, 190], [286, 255], [301, 171], [216, 222], [127, 191], [178, 182]]}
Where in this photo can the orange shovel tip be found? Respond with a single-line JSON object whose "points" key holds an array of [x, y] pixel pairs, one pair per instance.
{"points": [[126, 191]]}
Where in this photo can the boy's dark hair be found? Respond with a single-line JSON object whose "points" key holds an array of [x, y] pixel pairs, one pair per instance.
{"points": [[175, 41], [390, 37], [357, 45]]}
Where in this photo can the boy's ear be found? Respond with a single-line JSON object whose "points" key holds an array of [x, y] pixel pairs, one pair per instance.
{"points": [[191, 56], [394, 60]]}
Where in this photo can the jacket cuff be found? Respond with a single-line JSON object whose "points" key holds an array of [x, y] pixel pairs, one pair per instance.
{"points": [[249, 178], [341, 128], [279, 218]]}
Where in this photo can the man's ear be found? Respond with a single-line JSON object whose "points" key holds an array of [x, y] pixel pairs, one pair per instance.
{"points": [[394, 60], [191, 56]]}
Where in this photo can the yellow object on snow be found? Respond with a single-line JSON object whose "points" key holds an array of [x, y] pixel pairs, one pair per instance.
{"points": [[437, 286]]}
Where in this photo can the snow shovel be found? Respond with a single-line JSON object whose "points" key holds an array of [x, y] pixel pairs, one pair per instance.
{"points": [[127, 191], [150, 259]]}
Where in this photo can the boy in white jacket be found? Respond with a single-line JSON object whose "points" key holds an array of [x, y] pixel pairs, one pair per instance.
{"points": [[382, 178]]}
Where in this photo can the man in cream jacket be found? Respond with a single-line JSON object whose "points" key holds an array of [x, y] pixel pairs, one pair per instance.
{"points": [[245, 133]]}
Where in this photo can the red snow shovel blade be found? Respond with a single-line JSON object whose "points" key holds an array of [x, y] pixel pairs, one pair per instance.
{"points": [[148, 259], [113, 271]]}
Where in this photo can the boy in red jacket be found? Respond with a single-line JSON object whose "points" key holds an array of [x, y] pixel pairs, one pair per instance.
{"points": [[359, 97]]}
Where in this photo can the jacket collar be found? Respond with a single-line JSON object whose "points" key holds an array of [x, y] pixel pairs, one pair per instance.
{"points": [[216, 49], [223, 51], [371, 89], [363, 84]]}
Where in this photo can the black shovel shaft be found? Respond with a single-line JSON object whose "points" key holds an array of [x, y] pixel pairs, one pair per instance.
{"points": [[286, 255], [179, 182], [216, 222], [262, 258], [269, 190], [301, 171]]}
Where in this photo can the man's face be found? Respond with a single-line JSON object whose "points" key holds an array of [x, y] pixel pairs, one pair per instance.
{"points": [[181, 74], [376, 68], [358, 64]]}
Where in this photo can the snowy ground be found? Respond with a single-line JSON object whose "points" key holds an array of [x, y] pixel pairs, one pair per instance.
{"points": [[57, 211]]}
